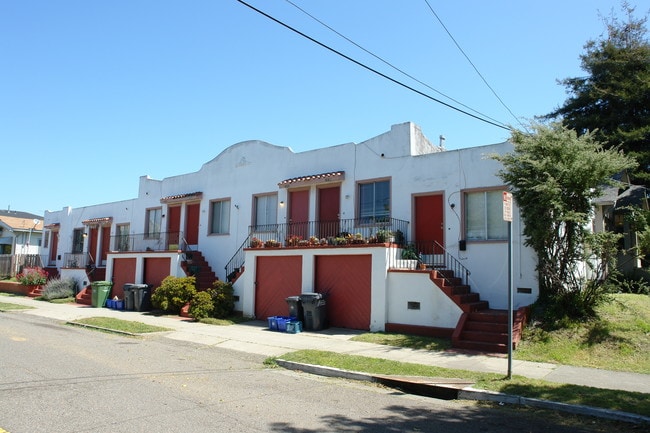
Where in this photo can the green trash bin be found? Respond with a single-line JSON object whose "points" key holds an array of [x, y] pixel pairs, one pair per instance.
{"points": [[101, 290]]}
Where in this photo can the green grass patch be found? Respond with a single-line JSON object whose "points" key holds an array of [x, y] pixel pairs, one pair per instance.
{"points": [[225, 322], [618, 339], [111, 324], [4, 306], [633, 402], [404, 340]]}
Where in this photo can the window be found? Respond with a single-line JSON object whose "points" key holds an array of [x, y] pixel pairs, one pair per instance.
{"points": [[484, 216], [220, 217], [153, 223], [374, 201], [78, 241], [122, 240], [266, 212], [46, 239]]}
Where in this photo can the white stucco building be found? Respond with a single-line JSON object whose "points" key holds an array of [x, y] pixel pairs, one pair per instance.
{"points": [[447, 204]]}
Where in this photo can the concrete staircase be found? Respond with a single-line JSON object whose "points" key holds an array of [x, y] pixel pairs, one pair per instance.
{"points": [[85, 296], [479, 328], [196, 265]]}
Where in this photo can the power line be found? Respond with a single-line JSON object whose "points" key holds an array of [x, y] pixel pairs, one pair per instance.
{"points": [[371, 69], [471, 63], [390, 64]]}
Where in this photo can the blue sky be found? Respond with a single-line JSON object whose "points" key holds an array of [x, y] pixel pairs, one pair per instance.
{"points": [[94, 94]]}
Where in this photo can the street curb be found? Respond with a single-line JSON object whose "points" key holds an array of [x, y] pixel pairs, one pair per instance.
{"points": [[466, 393]]}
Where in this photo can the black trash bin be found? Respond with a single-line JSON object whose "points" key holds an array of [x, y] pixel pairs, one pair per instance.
{"points": [[295, 308], [129, 297], [315, 310], [142, 297]]}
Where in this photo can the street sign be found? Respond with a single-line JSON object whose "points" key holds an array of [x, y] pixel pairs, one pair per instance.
{"points": [[507, 206]]}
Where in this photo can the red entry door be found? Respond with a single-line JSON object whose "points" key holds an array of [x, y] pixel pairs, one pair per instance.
{"points": [[329, 211], [106, 243], [173, 226], [299, 213], [92, 246], [192, 223], [54, 245], [429, 222]]}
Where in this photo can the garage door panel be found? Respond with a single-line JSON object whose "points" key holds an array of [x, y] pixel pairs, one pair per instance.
{"points": [[347, 282], [276, 279]]}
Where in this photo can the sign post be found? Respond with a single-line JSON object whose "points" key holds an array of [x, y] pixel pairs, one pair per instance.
{"points": [[507, 216]]}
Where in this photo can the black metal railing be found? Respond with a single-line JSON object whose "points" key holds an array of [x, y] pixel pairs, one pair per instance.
{"points": [[319, 233], [162, 241], [411, 255], [76, 260]]}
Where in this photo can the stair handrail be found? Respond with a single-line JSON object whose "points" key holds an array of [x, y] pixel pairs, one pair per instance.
{"points": [[448, 261], [236, 262]]}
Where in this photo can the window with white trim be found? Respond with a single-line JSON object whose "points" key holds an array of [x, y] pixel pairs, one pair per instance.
{"points": [[374, 201], [484, 216], [220, 217]]}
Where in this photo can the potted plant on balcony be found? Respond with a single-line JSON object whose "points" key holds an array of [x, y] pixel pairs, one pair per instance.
{"points": [[271, 243], [410, 258], [385, 236], [256, 243]]}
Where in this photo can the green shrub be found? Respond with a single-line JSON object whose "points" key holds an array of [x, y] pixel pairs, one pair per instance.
{"points": [[223, 299], [58, 288], [174, 293], [201, 305]]}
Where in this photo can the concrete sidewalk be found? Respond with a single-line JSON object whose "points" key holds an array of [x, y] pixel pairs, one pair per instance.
{"points": [[254, 337]]}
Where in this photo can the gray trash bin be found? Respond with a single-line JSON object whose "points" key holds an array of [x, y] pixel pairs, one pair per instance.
{"points": [[142, 297], [129, 297], [315, 310], [295, 308]]}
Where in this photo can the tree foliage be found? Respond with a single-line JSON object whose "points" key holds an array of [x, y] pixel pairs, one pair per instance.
{"points": [[613, 99], [554, 175]]}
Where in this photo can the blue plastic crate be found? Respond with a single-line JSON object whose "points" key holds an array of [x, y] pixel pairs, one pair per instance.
{"points": [[282, 323], [273, 323], [294, 326]]}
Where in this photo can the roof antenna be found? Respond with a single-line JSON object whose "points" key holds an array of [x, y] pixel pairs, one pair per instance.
{"points": [[442, 141]]}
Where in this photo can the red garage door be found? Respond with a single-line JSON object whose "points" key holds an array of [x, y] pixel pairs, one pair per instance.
{"points": [[277, 278], [156, 269], [123, 273], [346, 280]]}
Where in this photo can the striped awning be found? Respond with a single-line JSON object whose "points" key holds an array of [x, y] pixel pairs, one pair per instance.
{"points": [[313, 179], [182, 197]]}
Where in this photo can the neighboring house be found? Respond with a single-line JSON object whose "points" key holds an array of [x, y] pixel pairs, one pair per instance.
{"points": [[398, 187], [20, 240], [611, 213], [20, 232]]}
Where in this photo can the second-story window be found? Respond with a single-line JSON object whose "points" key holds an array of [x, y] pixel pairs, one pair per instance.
{"points": [[78, 241], [484, 216], [122, 241], [266, 212], [374, 201], [220, 217], [153, 223]]}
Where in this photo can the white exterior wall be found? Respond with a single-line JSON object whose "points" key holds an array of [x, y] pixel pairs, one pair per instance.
{"points": [[402, 155], [436, 309]]}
